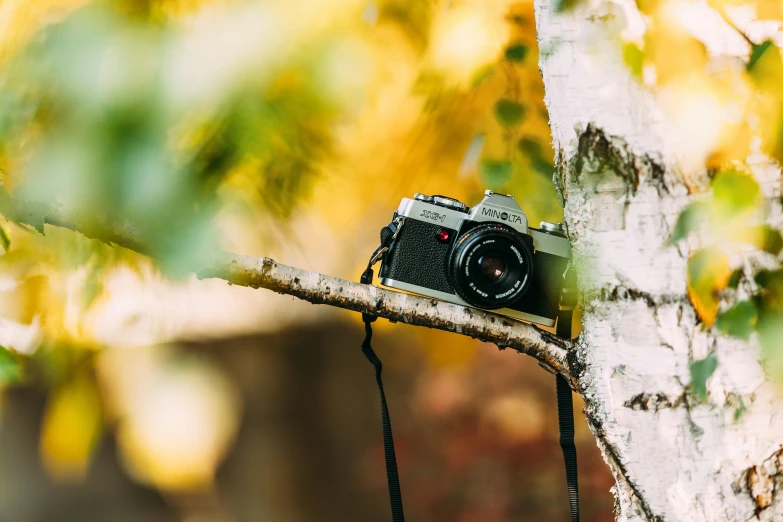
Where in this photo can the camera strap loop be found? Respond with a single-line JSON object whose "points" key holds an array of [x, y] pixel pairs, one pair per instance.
{"points": [[388, 234]]}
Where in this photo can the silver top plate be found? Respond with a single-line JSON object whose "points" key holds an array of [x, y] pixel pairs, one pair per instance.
{"points": [[493, 208], [429, 213]]}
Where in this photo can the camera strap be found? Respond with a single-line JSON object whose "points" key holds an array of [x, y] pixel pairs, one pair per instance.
{"points": [[565, 405], [565, 409], [388, 234]]}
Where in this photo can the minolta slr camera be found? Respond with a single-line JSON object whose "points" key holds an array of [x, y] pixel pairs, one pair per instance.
{"points": [[486, 256]]}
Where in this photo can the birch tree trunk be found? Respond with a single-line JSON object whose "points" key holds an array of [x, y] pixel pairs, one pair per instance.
{"points": [[673, 458]]}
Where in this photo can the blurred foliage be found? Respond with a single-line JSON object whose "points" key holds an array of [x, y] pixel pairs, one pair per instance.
{"points": [[700, 372], [71, 428], [10, 367], [209, 124]]}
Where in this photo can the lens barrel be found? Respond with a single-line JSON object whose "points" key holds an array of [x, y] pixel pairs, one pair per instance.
{"points": [[490, 266]]}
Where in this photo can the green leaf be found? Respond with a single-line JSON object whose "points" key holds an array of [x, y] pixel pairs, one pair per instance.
{"points": [[5, 241], [735, 402], [529, 147], [740, 410], [734, 279], [532, 150], [734, 191], [565, 5], [771, 283], [509, 112], [543, 167], [10, 367], [757, 52], [739, 320], [689, 220], [772, 241], [496, 172], [516, 52], [633, 56], [770, 332], [700, 372]]}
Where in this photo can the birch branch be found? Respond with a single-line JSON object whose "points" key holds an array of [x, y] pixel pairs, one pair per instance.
{"points": [[549, 350]]}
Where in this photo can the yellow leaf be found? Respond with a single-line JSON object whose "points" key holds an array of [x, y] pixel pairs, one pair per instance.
{"points": [[673, 51], [33, 298], [768, 9], [708, 274], [71, 429]]}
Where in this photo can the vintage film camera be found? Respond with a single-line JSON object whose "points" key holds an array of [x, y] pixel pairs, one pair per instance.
{"points": [[486, 256]]}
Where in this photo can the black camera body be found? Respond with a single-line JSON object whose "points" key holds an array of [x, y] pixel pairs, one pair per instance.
{"points": [[486, 256]]}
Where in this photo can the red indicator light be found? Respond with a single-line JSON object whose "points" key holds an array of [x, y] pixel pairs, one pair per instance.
{"points": [[443, 234]]}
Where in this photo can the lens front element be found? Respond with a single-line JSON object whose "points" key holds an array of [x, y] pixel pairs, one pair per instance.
{"points": [[490, 266]]}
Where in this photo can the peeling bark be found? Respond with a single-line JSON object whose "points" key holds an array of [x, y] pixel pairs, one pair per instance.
{"points": [[674, 458]]}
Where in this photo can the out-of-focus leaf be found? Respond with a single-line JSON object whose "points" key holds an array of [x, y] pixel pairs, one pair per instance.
{"points": [[770, 332], [529, 147], [771, 284], [5, 241], [739, 320], [708, 274], [771, 240], [633, 56], [734, 191], [739, 411], [509, 112], [565, 5], [496, 173], [32, 214], [71, 429], [11, 369], [673, 51], [689, 220], [700, 372], [765, 68], [735, 402], [532, 150], [516, 52], [735, 279], [33, 297], [757, 52]]}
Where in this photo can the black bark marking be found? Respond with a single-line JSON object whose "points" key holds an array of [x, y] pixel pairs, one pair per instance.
{"points": [[654, 401], [599, 154], [623, 293]]}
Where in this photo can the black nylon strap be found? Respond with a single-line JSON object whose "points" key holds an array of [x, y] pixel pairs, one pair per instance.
{"points": [[565, 414], [392, 477]]}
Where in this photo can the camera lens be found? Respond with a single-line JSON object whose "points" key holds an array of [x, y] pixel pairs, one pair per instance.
{"points": [[490, 266]]}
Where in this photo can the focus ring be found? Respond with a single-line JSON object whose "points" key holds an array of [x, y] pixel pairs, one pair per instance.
{"points": [[467, 272]]}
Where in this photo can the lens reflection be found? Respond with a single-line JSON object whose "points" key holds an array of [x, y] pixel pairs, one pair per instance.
{"points": [[492, 267]]}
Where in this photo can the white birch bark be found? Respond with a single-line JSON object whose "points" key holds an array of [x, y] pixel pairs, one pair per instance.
{"points": [[673, 459]]}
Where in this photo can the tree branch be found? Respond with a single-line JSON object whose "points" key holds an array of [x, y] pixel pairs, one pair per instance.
{"points": [[549, 350]]}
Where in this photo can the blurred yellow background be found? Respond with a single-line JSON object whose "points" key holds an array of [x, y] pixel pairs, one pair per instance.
{"points": [[133, 390]]}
